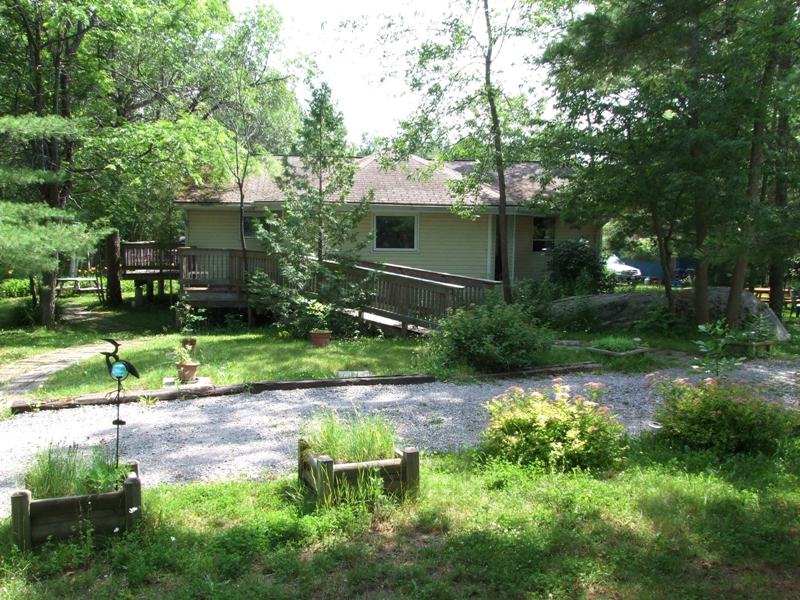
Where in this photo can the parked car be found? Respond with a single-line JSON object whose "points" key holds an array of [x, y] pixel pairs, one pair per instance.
{"points": [[622, 271]]}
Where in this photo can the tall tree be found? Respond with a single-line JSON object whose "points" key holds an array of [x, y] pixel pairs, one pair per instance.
{"points": [[456, 73], [252, 100], [700, 75], [316, 239]]}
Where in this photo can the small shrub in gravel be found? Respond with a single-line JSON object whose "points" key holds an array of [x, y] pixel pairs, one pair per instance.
{"points": [[554, 429], [490, 338], [723, 417]]}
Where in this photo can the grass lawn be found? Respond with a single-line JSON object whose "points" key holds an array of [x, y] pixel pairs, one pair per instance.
{"points": [[673, 524], [17, 343], [239, 358]]}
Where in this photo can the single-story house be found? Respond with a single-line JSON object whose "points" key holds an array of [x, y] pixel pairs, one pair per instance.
{"points": [[410, 220]]}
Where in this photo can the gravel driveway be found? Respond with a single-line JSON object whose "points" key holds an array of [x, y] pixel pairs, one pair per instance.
{"points": [[249, 435]]}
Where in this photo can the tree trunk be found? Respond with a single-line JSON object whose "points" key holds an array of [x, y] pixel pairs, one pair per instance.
{"points": [[48, 299], [497, 141], [754, 176], [113, 265], [777, 265], [32, 288]]}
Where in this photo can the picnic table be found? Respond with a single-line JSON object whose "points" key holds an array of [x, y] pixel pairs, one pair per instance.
{"points": [[790, 298], [77, 284]]}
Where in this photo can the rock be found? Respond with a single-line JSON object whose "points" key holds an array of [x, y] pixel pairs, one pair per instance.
{"points": [[621, 310]]}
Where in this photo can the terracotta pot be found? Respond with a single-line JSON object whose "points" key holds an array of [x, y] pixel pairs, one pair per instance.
{"points": [[189, 343], [187, 371], [320, 338]]}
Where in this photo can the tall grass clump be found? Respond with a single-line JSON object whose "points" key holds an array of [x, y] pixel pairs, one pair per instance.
{"points": [[59, 471], [614, 343], [359, 438]]}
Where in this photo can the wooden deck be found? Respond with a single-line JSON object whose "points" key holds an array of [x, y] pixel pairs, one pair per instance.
{"points": [[149, 261], [408, 296]]}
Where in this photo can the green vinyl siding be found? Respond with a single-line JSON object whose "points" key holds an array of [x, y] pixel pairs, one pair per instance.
{"points": [[216, 229], [444, 242], [529, 264]]}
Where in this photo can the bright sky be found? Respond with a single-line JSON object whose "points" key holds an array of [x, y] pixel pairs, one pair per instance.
{"points": [[350, 59]]}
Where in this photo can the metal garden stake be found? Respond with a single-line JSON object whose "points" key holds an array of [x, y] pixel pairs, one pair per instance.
{"points": [[118, 369]]}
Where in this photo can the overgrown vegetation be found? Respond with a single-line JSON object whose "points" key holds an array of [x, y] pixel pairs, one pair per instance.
{"points": [[554, 430], [725, 418], [70, 471], [353, 439]]}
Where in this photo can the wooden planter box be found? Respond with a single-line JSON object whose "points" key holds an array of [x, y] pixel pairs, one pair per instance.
{"points": [[633, 352], [748, 348], [35, 521], [323, 476]]}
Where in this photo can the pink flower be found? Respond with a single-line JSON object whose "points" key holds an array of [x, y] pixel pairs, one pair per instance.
{"points": [[710, 381], [594, 385], [558, 381], [681, 381], [515, 390]]}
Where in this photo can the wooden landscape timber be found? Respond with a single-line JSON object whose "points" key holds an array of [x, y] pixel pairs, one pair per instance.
{"points": [[189, 392], [323, 476], [34, 522]]}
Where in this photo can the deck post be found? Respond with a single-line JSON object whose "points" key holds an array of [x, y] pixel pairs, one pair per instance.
{"points": [[21, 519], [410, 471], [132, 488]]}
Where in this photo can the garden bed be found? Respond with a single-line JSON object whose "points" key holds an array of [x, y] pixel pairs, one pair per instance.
{"points": [[37, 521], [323, 476]]}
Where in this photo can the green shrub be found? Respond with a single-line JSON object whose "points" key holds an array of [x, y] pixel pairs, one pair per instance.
{"points": [[14, 288], [577, 269], [360, 438], [554, 430], [489, 338], [614, 343], [59, 471], [724, 418]]}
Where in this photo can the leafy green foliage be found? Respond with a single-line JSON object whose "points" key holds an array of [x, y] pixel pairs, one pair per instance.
{"points": [[488, 338], [554, 430], [59, 471], [724, 418], [33, 235], [576, 268], [188, 317], [714, 359], [14, 288], [354, 439]]}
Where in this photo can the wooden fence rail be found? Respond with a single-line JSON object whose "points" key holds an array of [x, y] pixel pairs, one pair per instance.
{"points": [[412, 296], [149, 256]]}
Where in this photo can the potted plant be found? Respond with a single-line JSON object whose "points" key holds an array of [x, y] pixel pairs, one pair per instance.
{"points": [[319, 316], [187, 366], [188, 318]]}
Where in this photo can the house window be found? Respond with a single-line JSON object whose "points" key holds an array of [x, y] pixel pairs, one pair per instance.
{"points": [[395, 232], [544, 233], [250, 226]]}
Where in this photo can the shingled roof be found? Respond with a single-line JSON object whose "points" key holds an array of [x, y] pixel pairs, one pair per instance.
{"points": [[400, 186]]}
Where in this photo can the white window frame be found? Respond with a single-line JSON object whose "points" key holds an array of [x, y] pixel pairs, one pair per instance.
{"points": [[393, 214]]}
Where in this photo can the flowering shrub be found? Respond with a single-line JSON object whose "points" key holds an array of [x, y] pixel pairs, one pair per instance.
{"points": [[554, 430], [725, 418]]}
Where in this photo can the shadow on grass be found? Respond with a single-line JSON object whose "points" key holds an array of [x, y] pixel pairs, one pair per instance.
{"points": [[658, 530]]}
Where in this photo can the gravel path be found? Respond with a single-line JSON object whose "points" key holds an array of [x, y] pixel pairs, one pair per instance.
{"points": [[250, 435]]}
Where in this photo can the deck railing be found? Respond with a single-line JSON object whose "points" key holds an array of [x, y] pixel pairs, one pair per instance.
{"points": [[149, 257], [399, 295]]}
